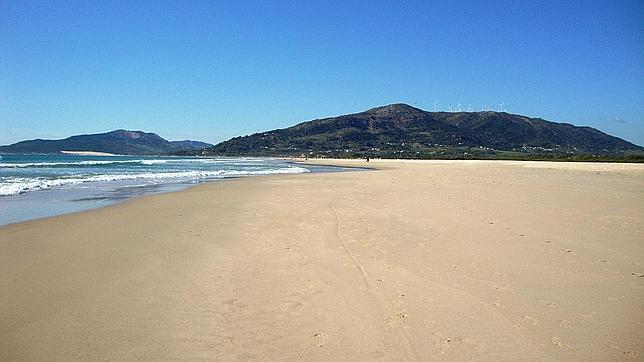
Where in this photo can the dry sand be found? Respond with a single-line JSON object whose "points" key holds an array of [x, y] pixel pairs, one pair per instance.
{"points": [[415, 261]]}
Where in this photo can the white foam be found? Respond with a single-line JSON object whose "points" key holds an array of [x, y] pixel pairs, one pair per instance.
{"points": [[153, 162], [18, 185]]}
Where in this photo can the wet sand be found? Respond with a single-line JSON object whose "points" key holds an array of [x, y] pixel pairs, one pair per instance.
{"points": [[414, 261]]}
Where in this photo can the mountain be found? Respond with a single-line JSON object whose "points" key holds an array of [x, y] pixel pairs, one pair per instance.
{"points": [[399, 130], [117, 142], [191, 145]]}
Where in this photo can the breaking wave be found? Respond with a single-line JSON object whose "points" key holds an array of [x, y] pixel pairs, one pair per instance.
{"points": [[18, 185]]}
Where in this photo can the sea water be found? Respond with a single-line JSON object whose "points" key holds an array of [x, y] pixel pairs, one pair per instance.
{"points": [[35, 186]]}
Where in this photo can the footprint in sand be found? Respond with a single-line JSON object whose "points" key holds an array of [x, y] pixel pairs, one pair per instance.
{"points": [[448, 342], [444, 344], [500, 288], [402, 315], [629, 353], [558, 343], [320, 339], [526, 321], [529, 320], [233, 301], [294, 308], [392, 321]]}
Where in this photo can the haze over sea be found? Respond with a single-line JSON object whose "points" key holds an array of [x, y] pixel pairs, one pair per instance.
{"points": [[34, 186]]}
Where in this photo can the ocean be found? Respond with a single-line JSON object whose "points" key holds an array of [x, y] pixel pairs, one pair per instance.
{"points": [[36, 186]]}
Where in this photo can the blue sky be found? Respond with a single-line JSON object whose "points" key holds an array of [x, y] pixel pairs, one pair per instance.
{"points": [[212, 70]]}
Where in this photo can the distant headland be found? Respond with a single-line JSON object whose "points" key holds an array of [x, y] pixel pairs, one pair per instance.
{"points": [[122, 142]]}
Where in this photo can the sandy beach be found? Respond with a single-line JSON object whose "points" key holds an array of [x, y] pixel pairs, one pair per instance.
{"points": [[425, 260], [87, 153]]}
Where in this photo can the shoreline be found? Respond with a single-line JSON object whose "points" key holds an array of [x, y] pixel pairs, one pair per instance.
{"points": [[351, 164], [115, 201], [168, 188], [416, 261]]}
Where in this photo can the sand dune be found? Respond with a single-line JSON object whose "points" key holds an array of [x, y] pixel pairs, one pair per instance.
{"points": [[414, 261]]}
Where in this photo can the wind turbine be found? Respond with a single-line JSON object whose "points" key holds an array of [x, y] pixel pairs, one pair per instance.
{"points": [[435, 106]]}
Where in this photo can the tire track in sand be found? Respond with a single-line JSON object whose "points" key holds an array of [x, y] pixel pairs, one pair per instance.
{"points": [[365, 277], [403, 340]]}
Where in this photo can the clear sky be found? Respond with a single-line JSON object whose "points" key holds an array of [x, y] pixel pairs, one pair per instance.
{"points": [[211, 70]]}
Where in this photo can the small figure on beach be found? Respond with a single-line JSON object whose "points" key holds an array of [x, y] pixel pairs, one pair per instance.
{"points": [[367, 159]]}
